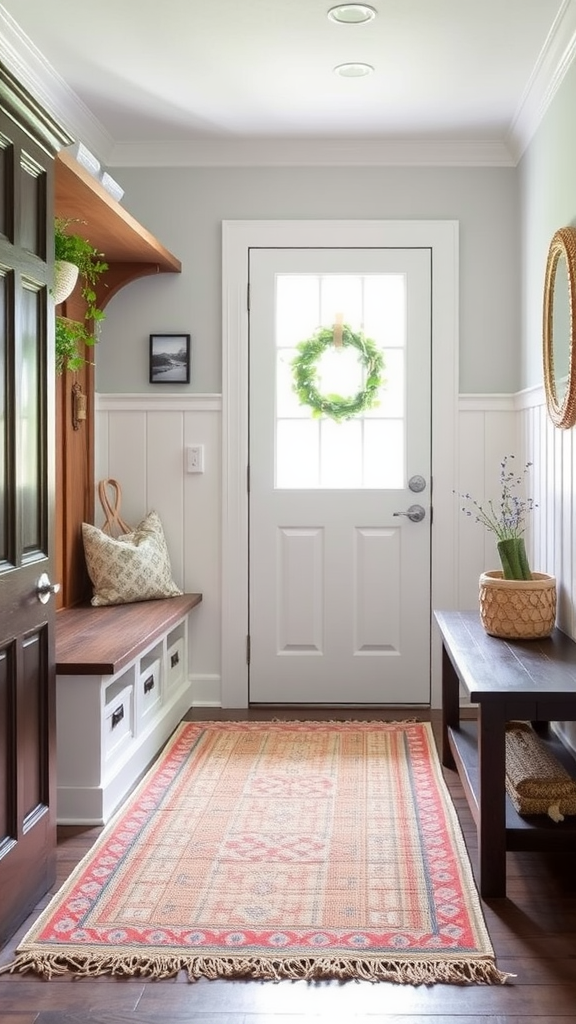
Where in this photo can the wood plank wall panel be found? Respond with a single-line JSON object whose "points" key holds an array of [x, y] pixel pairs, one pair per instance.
{"points": [[565, 547], [470, 539], [552, 534], [122, 456], [553, 537], [165, 480], [74, 473], [487, 431], [140, 442], [202, 518]]}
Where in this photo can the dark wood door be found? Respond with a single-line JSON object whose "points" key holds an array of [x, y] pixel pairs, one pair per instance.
{"points": [[27, 681]]}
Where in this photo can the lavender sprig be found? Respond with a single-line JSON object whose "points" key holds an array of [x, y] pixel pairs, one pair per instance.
{"points": [[507, 519]]}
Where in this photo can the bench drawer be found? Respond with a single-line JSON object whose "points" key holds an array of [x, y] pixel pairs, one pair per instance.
{"points": [[118, 729], [175, 667], [149, 689]]}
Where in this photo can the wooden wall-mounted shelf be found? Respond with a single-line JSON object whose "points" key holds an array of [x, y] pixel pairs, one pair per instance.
{"points": [[129, 249], [131, 252]]}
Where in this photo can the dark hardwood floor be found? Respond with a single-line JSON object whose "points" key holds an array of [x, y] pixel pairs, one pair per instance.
{"points": [[533, 932]]}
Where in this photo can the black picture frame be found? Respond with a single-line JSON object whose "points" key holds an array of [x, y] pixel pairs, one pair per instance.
{"points": [[169, 360]]}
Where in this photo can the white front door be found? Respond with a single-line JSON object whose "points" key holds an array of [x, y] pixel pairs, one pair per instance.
{"points": [[339, 576]]}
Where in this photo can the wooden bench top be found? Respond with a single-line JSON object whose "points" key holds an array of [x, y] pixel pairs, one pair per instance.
{"points": [[101, 641], [491, 668]]}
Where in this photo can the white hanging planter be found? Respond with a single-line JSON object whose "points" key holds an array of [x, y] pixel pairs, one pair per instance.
{"points": [[65, 277]]}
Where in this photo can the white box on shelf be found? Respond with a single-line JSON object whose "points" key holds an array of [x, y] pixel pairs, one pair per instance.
{"points": [[86, 159], [112, 187]]}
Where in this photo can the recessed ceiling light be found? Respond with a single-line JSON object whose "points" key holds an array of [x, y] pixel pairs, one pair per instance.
{"points": [[352, 14], [353, 70]]}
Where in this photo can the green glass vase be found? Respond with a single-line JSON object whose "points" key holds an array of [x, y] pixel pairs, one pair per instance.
{"points": [[514, 559]]}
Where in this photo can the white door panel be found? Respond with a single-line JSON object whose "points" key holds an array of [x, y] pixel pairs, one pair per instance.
{"points": [[339, 584]]}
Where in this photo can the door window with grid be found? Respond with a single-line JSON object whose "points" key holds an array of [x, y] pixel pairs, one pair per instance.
{"points": [[368, 450]]}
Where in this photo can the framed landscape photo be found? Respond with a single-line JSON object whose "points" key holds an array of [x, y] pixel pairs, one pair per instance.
{"points": [[169, 358]]}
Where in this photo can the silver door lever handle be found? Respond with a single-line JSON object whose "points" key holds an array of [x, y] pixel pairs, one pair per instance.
{"points": [[415, 513]]}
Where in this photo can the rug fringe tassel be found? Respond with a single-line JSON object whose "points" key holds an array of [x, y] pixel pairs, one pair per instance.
{"points": [[408, 972]]}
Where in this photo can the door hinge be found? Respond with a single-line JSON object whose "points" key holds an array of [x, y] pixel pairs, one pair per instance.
{"points": [[248, 479], [248, 296], [248, 649]]}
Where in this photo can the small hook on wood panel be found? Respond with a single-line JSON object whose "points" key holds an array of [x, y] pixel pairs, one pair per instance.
{"points": [[79, 406]]}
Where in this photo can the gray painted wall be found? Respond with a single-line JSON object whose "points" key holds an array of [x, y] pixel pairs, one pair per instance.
{"points": [[184, 208]]}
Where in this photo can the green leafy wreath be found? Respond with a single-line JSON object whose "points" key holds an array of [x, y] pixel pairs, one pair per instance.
{"points": [[305, 370]]}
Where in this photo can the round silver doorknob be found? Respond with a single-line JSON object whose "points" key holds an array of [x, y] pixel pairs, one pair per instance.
{"points": [[415, 513], [417, 483], [45, 589]]}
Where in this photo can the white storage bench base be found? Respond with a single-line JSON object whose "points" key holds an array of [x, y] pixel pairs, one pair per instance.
{"points": [[122, 687]]}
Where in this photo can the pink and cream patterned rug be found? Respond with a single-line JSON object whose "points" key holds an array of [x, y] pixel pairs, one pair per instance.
{"points": [[277, 850]]}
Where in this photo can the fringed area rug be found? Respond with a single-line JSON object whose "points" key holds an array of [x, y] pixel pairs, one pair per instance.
{"points": [[277, 850]]}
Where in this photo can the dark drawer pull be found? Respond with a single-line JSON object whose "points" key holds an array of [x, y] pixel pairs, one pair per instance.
{"points": [[148, 684], [117, 716], [174, 660]]}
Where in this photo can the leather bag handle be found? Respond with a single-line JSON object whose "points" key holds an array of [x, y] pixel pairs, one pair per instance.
{"points": [[114, 524]]}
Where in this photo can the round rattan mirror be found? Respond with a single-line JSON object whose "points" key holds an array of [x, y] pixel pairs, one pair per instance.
{"points": [[559, 328]]}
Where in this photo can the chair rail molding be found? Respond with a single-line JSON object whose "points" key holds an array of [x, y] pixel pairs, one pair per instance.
{"points": [[157, 403]]}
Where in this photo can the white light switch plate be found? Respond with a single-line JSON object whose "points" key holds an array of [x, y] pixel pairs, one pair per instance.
{"points": [[195, 458]]}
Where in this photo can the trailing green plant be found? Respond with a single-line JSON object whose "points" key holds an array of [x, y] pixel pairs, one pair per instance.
{"points": [[72, 335]]}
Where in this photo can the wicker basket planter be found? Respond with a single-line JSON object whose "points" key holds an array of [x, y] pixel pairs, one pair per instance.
{"points": [[518, 609]]}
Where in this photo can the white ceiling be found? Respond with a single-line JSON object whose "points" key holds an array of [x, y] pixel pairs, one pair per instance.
{"points": [[169, 73]]}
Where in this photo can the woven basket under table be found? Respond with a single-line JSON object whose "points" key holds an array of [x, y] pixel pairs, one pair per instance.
{"points": [[536, 782]]}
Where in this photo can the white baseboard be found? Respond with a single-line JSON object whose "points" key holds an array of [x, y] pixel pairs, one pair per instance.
{"points": [[206, 691]]}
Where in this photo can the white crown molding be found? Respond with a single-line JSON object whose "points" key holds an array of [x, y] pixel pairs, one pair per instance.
{"points": [[39, 77], [19, 54], [549, 72], [313, 153], [148, 402], [33, 71]]}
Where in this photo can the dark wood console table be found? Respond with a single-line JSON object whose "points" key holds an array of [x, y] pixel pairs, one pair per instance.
{"points": [[530, 680]]}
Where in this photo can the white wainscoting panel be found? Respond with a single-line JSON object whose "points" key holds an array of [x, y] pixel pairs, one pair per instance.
{"points": [[140, 440], [553, 453], [487, 432]]}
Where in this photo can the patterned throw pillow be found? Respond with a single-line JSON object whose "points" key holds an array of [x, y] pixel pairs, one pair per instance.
{"points": [[133, 567]]}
